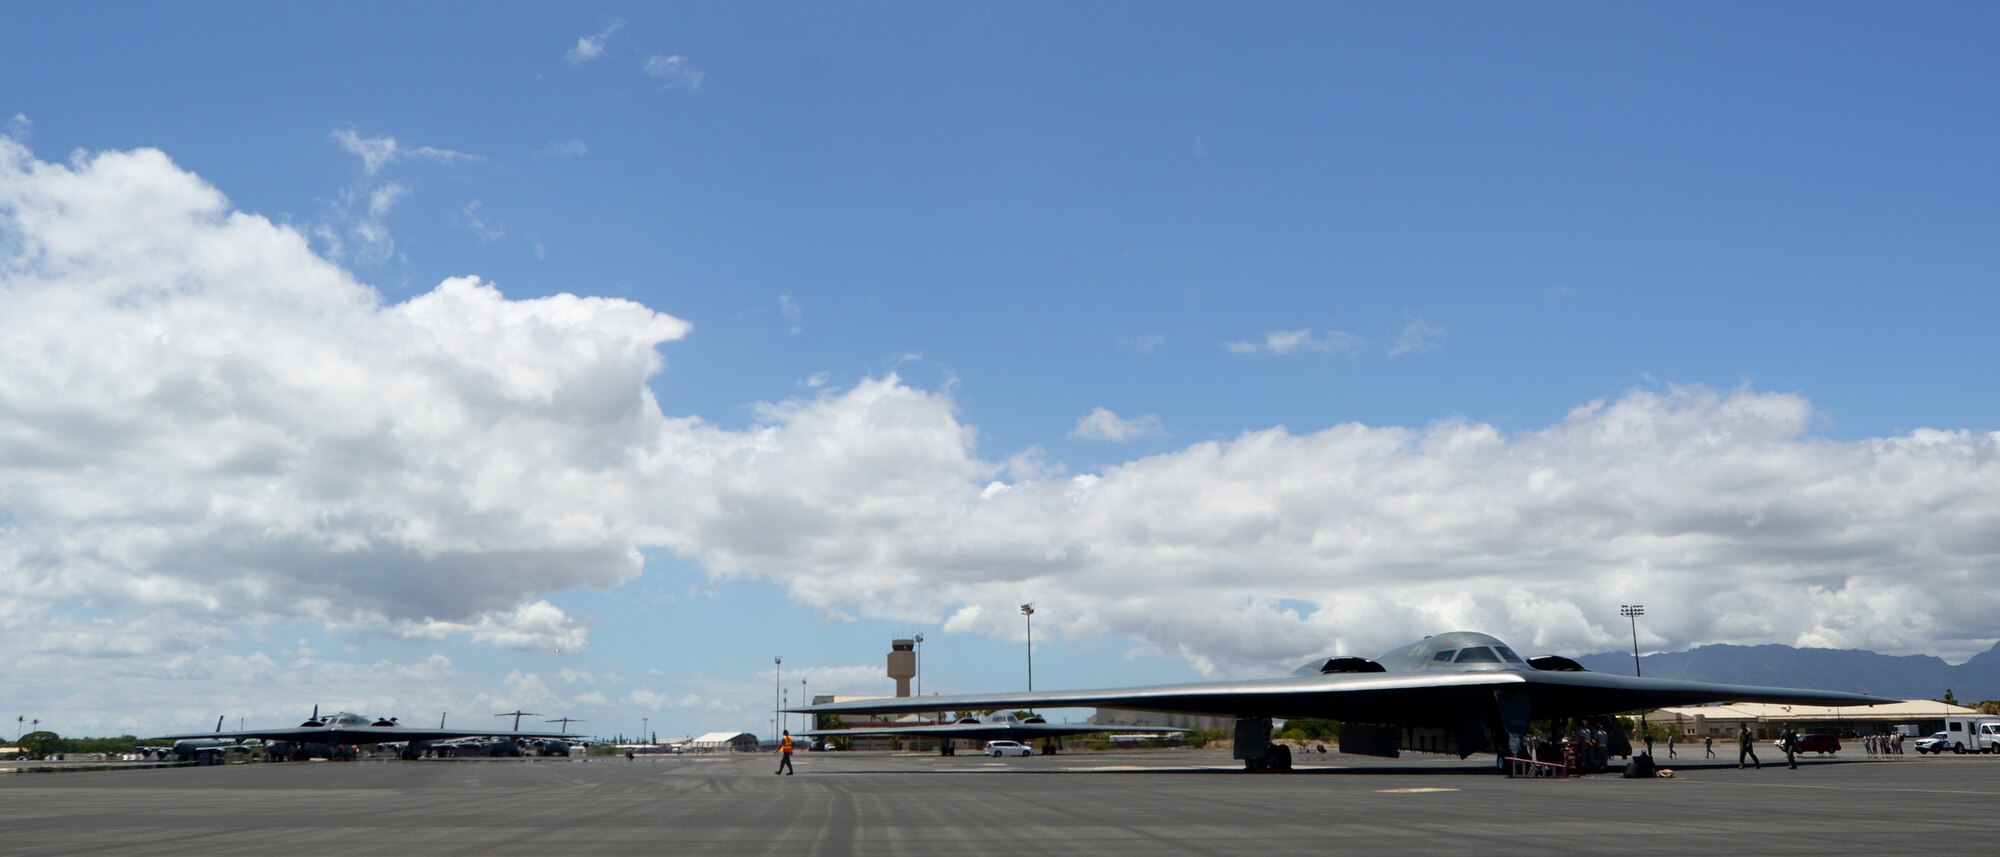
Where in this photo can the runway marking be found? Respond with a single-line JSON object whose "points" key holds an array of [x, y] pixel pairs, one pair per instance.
{"points": [[1873, 789], [1413, 791]]}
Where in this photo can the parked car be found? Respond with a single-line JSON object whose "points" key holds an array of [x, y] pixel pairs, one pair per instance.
{"points": [[1819, 743], [1008, 748], [1937, 743]]}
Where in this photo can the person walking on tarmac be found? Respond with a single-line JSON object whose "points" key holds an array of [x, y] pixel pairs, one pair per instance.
{"points": [[1791, 747], [785, 754], [1746, 747]]}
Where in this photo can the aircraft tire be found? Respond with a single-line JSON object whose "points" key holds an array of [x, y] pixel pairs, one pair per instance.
{"points": [[1278, 758]]}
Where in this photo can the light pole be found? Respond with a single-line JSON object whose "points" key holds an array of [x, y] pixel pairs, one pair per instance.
{"points": [[1633, 612], [919, 640], [1028, 610], [645, 729], [805, 700], [777, 701]]}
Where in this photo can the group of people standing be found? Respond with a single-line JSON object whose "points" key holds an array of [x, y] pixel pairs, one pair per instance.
{"points": [[1884, 745], [1588, 742]]}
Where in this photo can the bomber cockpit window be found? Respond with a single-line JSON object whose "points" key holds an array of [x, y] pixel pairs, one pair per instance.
{"points": [[1444, 656], [1507, 654], [1477, 655]]}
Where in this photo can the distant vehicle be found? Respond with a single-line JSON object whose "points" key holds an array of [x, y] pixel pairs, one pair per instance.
{"points": [[1817, 743], [997, 749], [1973, 734], [1934, 744]]}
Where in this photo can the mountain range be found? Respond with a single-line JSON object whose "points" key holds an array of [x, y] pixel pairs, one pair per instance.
{"points": [[1897, 676]]}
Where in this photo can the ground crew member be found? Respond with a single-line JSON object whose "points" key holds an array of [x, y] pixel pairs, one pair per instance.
{"points": [[1791, 747], [785, 754], [1746, 748]]}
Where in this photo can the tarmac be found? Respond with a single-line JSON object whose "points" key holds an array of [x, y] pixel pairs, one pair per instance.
{"points": [[1139, 802]]}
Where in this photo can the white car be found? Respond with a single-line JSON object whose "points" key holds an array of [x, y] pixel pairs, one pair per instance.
{"points": [[1937, 743], [997, 749]]}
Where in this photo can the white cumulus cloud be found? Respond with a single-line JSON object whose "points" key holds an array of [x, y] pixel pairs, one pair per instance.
{"points": [[674, 72], [378, 152], [569, 148], [475, 221], [1417, 335], [592, 46], [1301, 339], [252, 432], [359, 228], [1103, 424]]}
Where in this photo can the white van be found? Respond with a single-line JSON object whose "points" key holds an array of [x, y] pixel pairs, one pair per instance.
{"points": [[1972, 734], [1008, 748]]}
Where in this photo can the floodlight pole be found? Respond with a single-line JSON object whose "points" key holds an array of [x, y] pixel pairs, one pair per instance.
{"points": [[1633, 612], [777, 683], [1028, 610]]}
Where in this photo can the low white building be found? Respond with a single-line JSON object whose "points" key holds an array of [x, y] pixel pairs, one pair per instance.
{"points": [[712, 742], [1765, 719]]}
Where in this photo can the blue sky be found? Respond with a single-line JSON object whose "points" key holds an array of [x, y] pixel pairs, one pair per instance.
{"points": [[1335, 279]]}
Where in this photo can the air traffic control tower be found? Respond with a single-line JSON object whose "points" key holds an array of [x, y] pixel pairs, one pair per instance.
{"points": [[902, 664]]}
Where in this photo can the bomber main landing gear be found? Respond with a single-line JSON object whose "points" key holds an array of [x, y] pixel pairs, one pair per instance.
{"points": [[1254, 747], [1277, 759]]}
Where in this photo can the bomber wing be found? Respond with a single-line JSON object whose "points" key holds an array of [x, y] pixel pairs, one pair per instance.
{"points": [[1412, 698], [1016, 731]]}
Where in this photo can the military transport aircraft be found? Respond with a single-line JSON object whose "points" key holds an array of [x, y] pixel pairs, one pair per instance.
{"points": [[332, 736], [1460, 692], [998, 727]]}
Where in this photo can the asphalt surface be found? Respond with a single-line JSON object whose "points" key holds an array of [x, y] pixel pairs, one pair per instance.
{"points": [[1152, 803]]}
